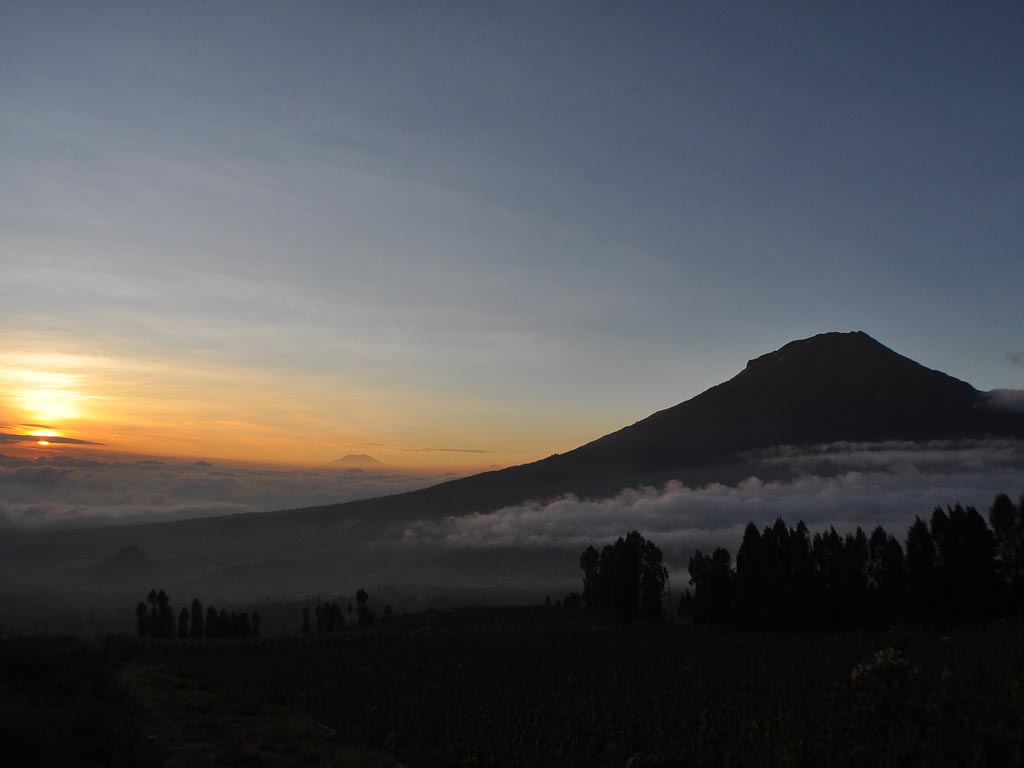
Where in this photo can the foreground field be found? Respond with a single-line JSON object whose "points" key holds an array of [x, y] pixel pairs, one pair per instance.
{"points": [[522, 687]]}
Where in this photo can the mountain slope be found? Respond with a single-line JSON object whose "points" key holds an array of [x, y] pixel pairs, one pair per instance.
{"points": [[830, 387]]}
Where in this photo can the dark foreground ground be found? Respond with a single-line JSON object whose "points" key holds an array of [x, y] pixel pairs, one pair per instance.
{"points": [[526, 687]]}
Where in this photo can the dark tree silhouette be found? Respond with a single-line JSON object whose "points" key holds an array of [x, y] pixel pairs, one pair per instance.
{"points": [[573, 601], [855, 579], [305, 620], [749, 579], [590, 563], [212, 622], [240, 626], [956, 570], [190, 623], [886, 579], [197, 619], [363, 608], [1007, 523], [165, 615], [797, 598], [606, 576], [329, 617], [627, 578], [387, 613], [920, 573], [154, 614], [625, 590], [183, 624], [966, 569], [653, 577], [720, 584], [826, 578], [712, 581], [142, 619], [224, 625]]}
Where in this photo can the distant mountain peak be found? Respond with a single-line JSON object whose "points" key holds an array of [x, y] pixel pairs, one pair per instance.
{"points": [[358, 461]]}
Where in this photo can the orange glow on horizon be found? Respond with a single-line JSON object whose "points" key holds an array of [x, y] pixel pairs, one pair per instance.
{"points": [[127, 406]]}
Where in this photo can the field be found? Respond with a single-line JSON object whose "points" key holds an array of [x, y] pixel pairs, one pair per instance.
{"points": [[520, 687]]}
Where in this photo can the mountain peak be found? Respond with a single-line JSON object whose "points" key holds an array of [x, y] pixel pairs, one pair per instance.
{"points": [[357, 461], [852, 368], [852, 343]]}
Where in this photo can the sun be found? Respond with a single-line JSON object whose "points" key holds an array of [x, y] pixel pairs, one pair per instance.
{"points": [[42, 434]]}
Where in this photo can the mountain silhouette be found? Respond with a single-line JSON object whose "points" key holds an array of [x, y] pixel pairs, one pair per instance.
{"points": [[357, 461], [828, 388]]}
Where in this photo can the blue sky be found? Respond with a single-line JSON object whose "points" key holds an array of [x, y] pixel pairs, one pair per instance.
{"points": [[503, 227]]}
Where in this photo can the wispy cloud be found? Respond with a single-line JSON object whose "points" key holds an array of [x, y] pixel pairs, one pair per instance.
{"points": [[10, 437], [1015, 359], [443, 450]]}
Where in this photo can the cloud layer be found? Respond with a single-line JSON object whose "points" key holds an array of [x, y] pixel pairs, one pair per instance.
{"points": [[842, 484], [65, 490]]}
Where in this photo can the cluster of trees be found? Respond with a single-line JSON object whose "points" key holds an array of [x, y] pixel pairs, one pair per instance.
{"points": [[627, 578], [952, 570], [572, 601], [157, 620], [329, 617]]}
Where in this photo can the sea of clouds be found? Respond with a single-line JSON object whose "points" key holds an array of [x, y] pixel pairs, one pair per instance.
{"points": [[72, 491], [841, 484]]}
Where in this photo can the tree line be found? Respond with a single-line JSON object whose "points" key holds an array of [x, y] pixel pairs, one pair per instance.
{"points": [[954, 569], [330, 618], [155, 618], [627, 578]]}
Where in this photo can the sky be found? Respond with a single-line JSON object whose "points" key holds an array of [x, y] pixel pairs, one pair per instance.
{"points": [[463, 235]]}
